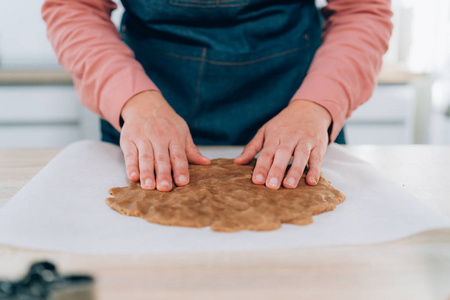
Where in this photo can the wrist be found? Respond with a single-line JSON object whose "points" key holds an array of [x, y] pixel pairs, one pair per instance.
{"points": [[319, 112], [141, 104]]}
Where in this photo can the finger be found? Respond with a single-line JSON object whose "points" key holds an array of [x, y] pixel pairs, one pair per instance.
{"points": [[194, 156], [315, 163], [264, 162], [130, 155], [147, 166], [278, 168], [162, 167], [179, 162], [295, 173], [251, 149]]}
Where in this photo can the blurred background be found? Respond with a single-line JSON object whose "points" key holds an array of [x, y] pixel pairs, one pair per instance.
{"points": [[411, 104]]}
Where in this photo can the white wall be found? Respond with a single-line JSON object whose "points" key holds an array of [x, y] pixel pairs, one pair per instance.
{"points": [[23, 41]]}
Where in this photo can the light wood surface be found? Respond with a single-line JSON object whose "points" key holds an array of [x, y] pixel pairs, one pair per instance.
{"points": [[417, 267]]}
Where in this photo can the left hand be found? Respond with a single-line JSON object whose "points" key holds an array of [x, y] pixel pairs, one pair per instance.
{"points": [[301, 130]]}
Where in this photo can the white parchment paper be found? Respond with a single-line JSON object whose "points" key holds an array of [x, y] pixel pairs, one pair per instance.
{"points": [[63, 208]]}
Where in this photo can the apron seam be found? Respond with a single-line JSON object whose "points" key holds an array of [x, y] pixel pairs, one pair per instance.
{"points": [[208, 1], [208, 5], [199, 80], [279, 54], [225, 63]]}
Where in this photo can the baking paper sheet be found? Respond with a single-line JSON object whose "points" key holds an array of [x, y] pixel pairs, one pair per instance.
{"points": [[63, 208]]}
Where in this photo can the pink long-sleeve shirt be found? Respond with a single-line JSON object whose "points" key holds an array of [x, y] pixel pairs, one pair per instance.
{"points": [[341, 77]]}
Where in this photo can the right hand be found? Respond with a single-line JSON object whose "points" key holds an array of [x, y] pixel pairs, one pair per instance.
{"points": [[155, 141]]}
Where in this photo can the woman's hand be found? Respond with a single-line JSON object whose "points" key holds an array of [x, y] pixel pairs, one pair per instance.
{"points": [[301, 130], [155, 140]]}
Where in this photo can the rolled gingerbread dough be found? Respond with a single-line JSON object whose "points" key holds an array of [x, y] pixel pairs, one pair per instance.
{"points": [[222, 195]]}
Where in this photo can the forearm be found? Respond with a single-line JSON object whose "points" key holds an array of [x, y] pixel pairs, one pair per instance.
{"points": [[88, 46], [343, 72]]}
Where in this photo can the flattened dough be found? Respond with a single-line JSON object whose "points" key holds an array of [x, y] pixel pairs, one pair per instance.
{"points": [[223, 196]]}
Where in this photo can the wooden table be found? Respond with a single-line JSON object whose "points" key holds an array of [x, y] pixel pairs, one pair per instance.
{"points": [[413, 268]]}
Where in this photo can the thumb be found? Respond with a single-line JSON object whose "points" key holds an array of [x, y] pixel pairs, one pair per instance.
{"points": [[252, 148], [193, 154]]}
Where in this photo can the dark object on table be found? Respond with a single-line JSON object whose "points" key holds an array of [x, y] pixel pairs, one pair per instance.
{"points": [[43, 282]]}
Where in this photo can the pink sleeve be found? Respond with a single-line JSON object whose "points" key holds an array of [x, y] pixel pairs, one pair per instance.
{"points": [[88, 46], [343, 72]]}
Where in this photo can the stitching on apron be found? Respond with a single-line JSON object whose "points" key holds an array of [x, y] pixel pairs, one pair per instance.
{"points": [[199, 80], [257, 60], [209, 2], [225, 63], [208, 6], [212, 4]]}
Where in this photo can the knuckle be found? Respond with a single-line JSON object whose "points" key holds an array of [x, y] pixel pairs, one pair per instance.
{"points": [[322, 149], [296, 172], [161, 159], [303, 150], [145, 145], [127, 147], [146, 156], [130, 156], [265, 155], [284, 150], [317, 159], [176, 144], [178, 159], [314, 165], [321, 142], [318, 150], [132, 161], [261, 168]]}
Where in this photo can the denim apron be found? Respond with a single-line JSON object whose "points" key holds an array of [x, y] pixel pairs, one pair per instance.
{"points": [[225, 66]]}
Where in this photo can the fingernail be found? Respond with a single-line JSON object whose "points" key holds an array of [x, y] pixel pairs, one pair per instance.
{"points": [[148, 182], [314, 181], [182, 178], [259, 178], [273, 182], [164, 183], [291, 181]]}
